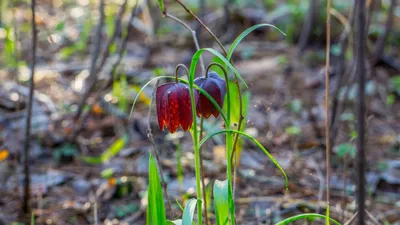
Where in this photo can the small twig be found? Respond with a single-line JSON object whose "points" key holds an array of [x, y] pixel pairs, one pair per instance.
{"points": [[307, 26], [92, 78], [25, 204], [327, 130], [154, 152], [344, 186], [110, 79], [340, 70], [352, 218], [372, 218], [193, 32], [380, 43], [204, 26], [320, 177], [117, 27], [360, 46]]}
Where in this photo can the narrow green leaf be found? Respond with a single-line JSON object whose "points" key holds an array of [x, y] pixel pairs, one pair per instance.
{"points": [[174, 222], [221, 201], [255, 142], [142, 89], [196, 58], [32, 219], [161, 5], [112, 151], [310, 216], [115, 148], [327, 218], [155, 195], [244, 34], [188, 212]]}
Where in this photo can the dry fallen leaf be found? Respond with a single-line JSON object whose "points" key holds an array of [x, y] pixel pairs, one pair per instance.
{"points": [[3, 154]]}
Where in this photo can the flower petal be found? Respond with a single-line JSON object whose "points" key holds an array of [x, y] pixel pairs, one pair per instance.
{"points": [[161, 116], [172, 106], [185, 107], [213, 89]]}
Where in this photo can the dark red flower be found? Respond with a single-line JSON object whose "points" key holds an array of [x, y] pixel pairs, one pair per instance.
{"points": [[216, 87], [174, 107]]}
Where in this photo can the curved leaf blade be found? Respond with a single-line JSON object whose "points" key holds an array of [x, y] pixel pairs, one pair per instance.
{"points": [[188, 212], [311, 216], [161, 5], [221, 201], [255, 142], [244, 34], [156, 208], [174, 222], [196, 58]]}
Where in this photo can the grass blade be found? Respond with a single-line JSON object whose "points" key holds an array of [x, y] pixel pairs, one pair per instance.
{"points": [[244, 34], [155, 196], [255, 142], [112, 151], [175, 222], [161, 5], [188, 212], [196, 58], [309, 216], [221, 201]]}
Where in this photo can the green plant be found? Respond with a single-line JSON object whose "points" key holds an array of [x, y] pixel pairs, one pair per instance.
{"points": [[170, 97]]}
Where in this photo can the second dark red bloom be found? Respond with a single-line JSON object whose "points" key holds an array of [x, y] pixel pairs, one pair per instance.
{"points": [[216, 87]]}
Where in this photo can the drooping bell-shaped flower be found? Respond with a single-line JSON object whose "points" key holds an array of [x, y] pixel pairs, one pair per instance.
{"points": [[216, 87], [174, 107]]}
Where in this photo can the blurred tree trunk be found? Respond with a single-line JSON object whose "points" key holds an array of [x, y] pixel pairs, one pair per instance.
{"points": [[307, 26]]}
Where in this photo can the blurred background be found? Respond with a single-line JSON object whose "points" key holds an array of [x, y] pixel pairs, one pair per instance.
{"points": [[89, 161]]}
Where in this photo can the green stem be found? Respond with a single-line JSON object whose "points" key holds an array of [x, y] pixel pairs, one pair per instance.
{"points": [[197, 155], [229, 143]]}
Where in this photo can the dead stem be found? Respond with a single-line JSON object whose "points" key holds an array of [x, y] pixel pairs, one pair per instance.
{"points": [[360, 47], [25, 203], [327, 127], [154, 152], [92, 78], [193, 32], [115, 65]]}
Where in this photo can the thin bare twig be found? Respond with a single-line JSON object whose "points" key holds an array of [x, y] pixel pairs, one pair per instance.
{"points": [[92, 78], [114, 67], [327, 130], [117, 26], [154, 152], [340, 70], [352, 218], [193, 32], [360, 46], [203, 25], [307, 26], [380, 43], [372, 218], [25, 203]]}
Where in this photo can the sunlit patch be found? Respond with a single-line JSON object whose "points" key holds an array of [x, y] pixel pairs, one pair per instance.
{"points": [[3, 33]]}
